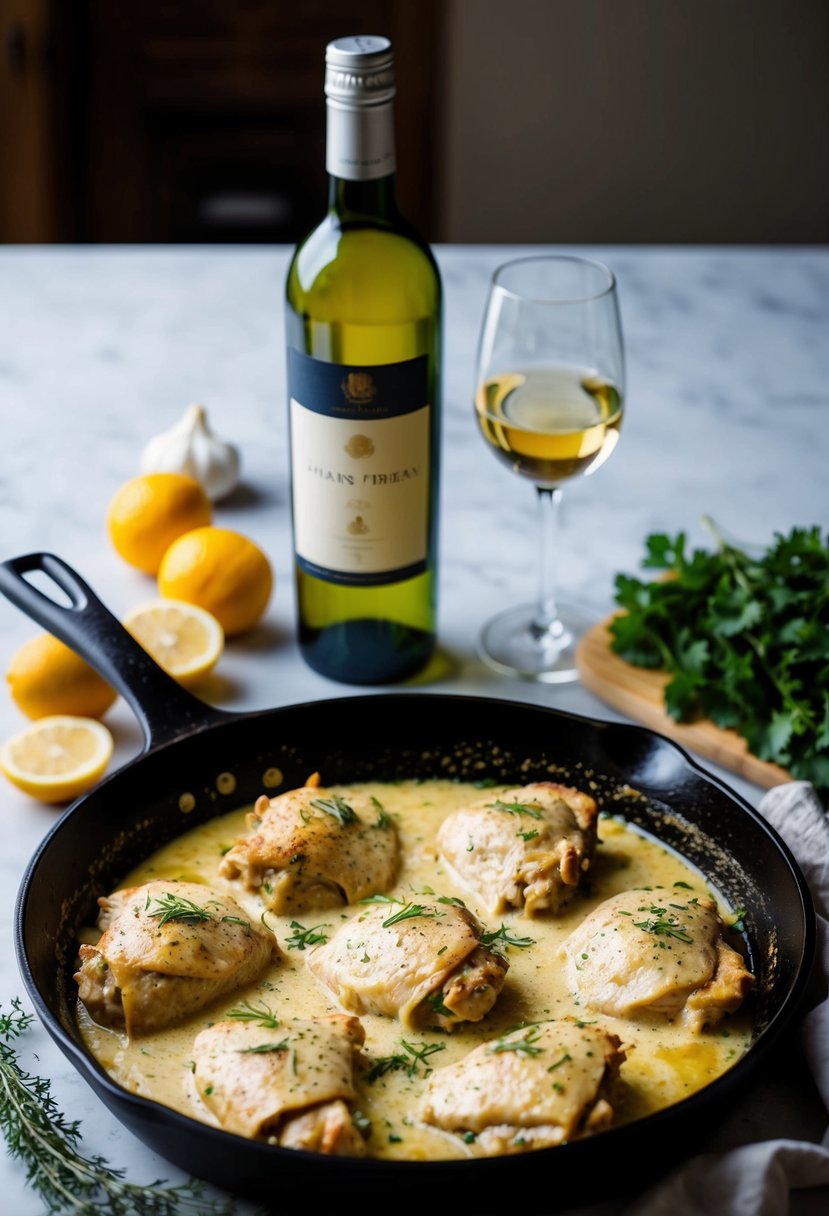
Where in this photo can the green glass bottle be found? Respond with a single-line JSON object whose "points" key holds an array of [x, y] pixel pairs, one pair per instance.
{"points": [[363, 319]]}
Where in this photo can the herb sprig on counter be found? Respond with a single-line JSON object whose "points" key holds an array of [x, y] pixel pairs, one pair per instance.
{"points": [[38, 1135], [745, 637]]}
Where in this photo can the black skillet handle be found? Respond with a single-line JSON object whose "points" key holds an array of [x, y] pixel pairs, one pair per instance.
{"points": [[165, 710]]}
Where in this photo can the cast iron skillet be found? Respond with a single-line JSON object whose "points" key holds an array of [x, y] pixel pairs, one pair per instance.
{"points": [[199, 762]]}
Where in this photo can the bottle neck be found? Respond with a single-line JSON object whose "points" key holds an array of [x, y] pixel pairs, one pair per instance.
{"points": [[373, 199], [360, 159]]}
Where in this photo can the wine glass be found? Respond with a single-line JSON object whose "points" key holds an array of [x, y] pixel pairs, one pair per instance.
{"points": [[548, 400]]}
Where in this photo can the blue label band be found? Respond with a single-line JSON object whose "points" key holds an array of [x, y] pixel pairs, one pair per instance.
{"points": [[354, 391]]}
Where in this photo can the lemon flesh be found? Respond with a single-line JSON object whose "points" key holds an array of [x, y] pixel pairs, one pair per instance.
{"points": [[187, 641], [57, 758]]}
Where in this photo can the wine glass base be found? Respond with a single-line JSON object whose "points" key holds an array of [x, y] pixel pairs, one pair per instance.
{"points": [[512, 645]]}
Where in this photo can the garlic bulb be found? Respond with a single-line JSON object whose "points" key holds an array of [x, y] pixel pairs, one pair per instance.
{"points": [[191, 447]]}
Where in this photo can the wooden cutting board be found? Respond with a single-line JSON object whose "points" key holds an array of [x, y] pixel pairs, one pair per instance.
{"points": [[637, 693]]}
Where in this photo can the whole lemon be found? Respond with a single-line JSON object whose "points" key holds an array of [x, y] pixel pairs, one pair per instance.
{"points": [[221, 571], [149, 512], [45, 678]]}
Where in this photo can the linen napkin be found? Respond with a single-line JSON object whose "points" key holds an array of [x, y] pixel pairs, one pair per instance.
{"points": [[752, 1175]]}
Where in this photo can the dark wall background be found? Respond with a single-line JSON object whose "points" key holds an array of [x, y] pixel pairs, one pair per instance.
{"points": [[637, 121], [623, 121]]}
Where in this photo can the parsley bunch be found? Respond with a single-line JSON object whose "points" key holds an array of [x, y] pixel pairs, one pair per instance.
{"points": [[745, 637]]}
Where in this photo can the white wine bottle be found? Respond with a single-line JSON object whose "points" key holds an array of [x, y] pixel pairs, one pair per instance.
{"points": [[363, 319]]}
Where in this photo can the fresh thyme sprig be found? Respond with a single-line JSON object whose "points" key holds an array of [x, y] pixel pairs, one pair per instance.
{"points": [[505, 935], [174, 907], [337, 808], [38, 1135], [417, 1055], [525, 1046], [516, 808], [662, 925], [262, 1049], [245, 1012], [383, 818], [407, 912], [301, 937]]}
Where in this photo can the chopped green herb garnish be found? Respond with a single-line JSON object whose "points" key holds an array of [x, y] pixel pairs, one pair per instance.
{"points": [[175, 907], [531, 835], [416, 1055], [262, 1049], [564, 1060], [662, 925], [408, 912], [254, 1013], [436, 1002], [516, 808], [381, 899], [508, 938], [301, 937], [337, 808], [383, 819], [524, 1046]]}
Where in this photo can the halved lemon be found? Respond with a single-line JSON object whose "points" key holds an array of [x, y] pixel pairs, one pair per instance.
{"points": [[187, 641], [57, 758]]}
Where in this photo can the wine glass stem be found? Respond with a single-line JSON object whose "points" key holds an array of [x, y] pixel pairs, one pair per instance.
{"points": [[546, 622]]}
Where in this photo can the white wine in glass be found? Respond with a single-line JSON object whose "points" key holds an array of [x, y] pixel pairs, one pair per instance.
{"points": [[549, 401]]}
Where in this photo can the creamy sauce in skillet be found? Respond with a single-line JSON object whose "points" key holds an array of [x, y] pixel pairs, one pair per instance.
{"points": [[665, 1062]]}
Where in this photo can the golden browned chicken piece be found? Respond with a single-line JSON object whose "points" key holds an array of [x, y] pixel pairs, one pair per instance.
{"points": [[167, 949], [536, 1087], [420, 962], [291, 1083], [310, 849], [527, 848], [657, 953]]}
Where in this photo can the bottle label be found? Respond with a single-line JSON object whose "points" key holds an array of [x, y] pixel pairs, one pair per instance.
{"points": [[360, 469]]}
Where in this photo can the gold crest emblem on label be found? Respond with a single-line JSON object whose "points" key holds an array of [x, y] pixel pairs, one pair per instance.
{"points": [[359, 388], [359, 446]]}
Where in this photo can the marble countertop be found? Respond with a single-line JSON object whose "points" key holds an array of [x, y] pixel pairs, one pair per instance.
{"points": [[101, 348]]}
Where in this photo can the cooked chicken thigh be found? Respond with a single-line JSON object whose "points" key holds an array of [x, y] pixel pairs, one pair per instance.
{"points": [[311, 849], [291, 1084], [526, 849], [167, 949], [655, 952], [538, 1086], [422, 963]]}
